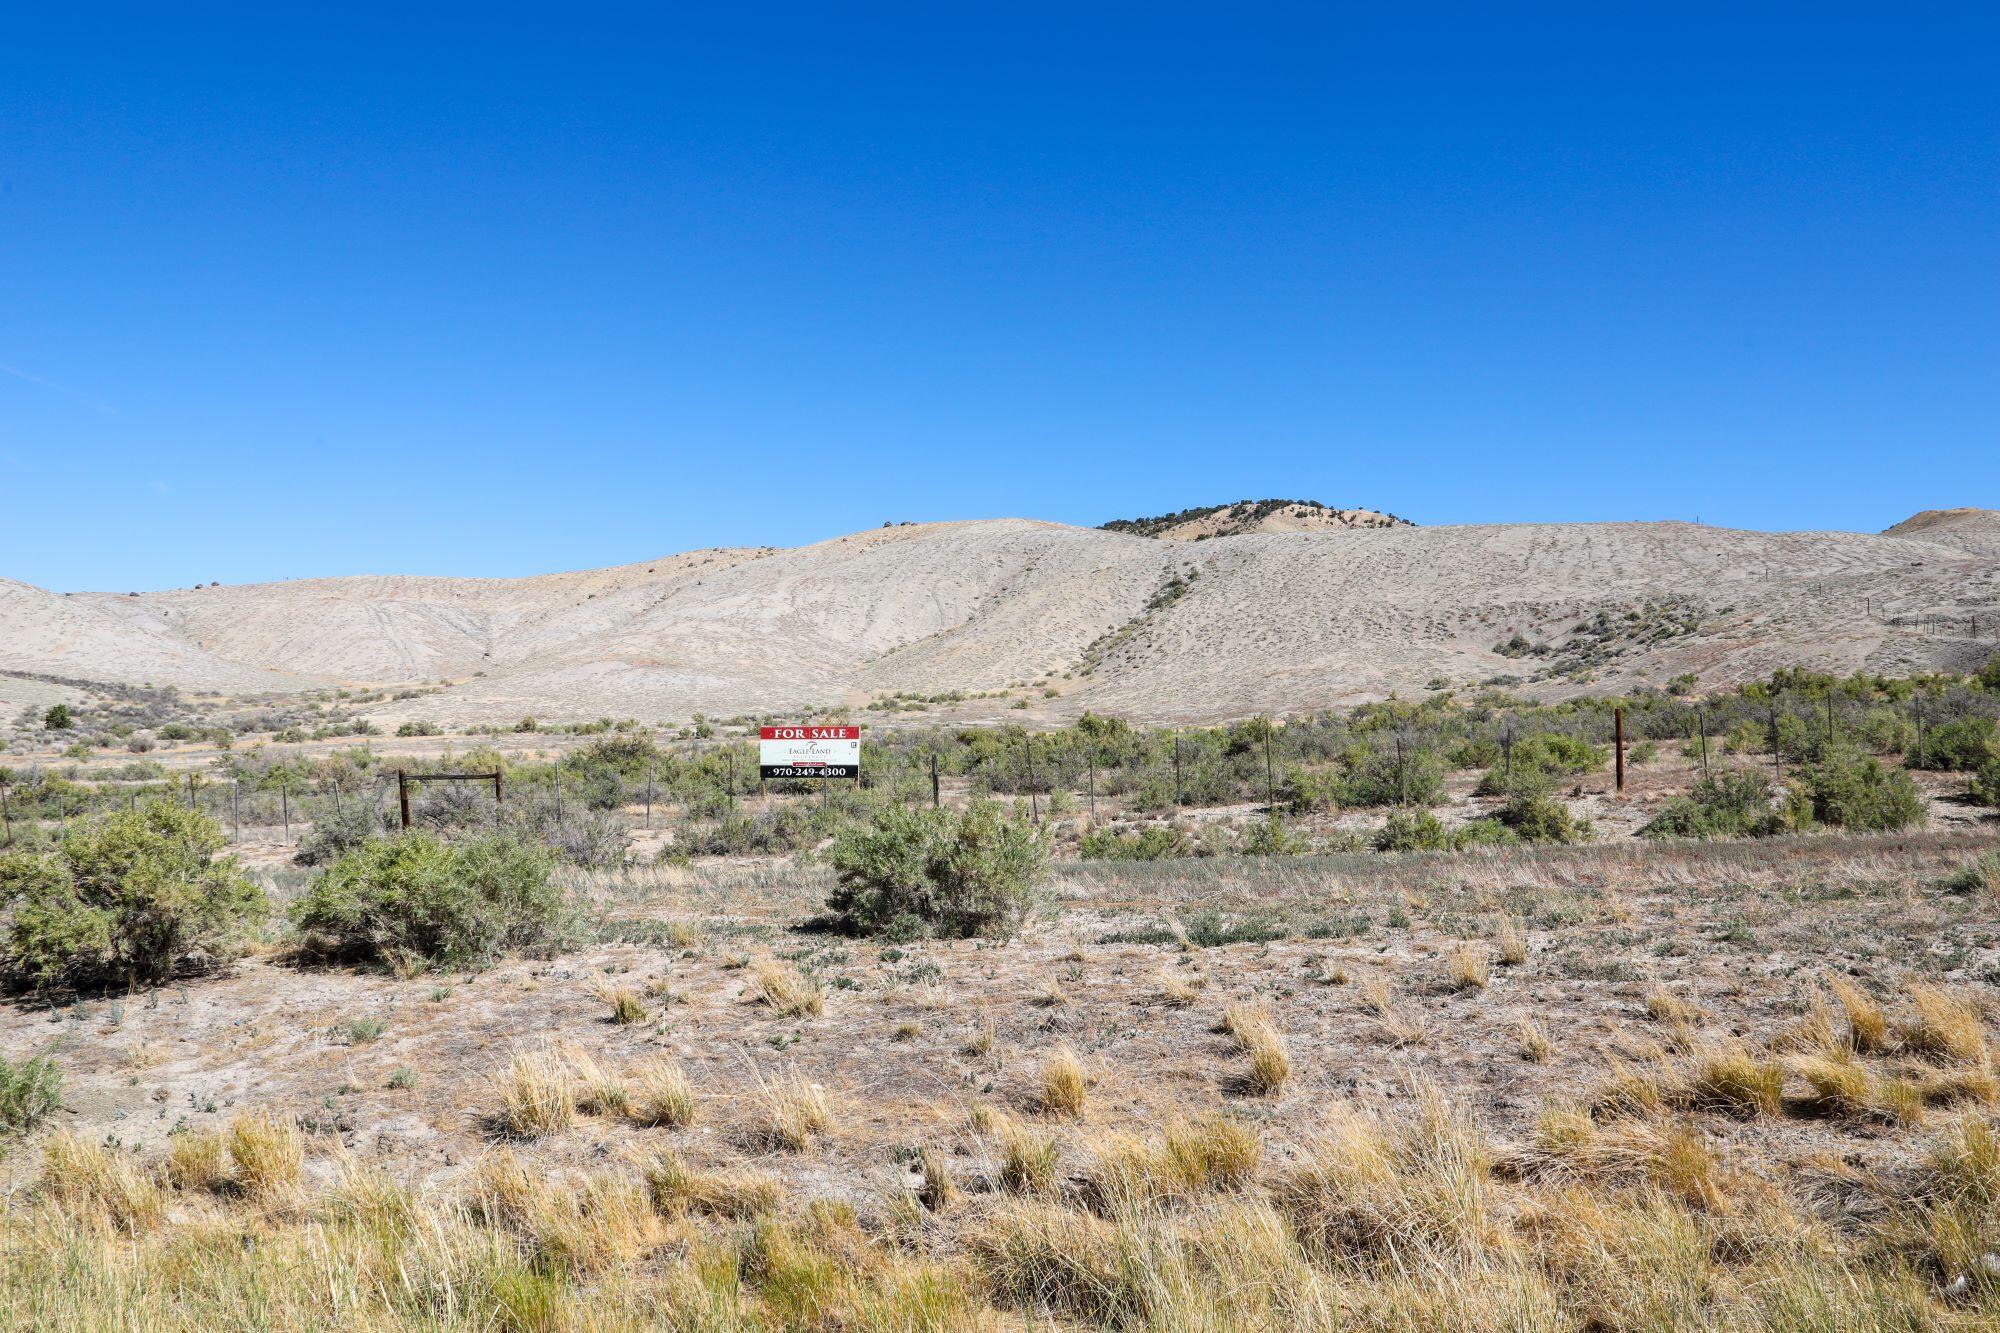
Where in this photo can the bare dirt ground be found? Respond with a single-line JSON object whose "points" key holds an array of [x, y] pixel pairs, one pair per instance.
{"points": [[404, 1072]]}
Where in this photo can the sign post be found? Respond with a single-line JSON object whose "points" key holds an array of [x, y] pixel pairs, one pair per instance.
{"points": [[808, 752]]}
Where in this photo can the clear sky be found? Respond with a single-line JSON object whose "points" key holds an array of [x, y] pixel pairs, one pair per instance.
{"points": [[499, 291]]}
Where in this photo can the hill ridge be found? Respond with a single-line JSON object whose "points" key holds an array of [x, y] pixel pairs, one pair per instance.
{"points": [[1063, 618]]}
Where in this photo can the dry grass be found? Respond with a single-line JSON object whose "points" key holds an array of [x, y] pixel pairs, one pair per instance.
{"points": [[1663, 1006], [796, 1113], [675, 1187], [596, 1091], [980, 1043], [269, 1154], [1125, 1173], [1381, 1223], [1176, 992], [1947, 1026], [1728, 1078], [939, 1189], [197, 1160], [789, 994], [1259, 1038], [1630, 1090], [1688, 1196], [538, 1095], [1466, 966], [1027, 1157], [625, 1005], [95, 1182], [1397, 1026], [1064, 1088], [661, 1095], [1843, 1086], [1366, 1191], [1867, 1025]]}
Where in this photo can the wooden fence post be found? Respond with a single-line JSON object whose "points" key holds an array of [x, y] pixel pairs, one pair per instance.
{"points": [[1618, 730], [1034, 802]]}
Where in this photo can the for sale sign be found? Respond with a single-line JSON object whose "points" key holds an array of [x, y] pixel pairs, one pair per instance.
{"points": [[809, 752]]}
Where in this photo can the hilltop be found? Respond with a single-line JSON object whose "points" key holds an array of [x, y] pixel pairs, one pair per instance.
{"points": [[1245, 516]]}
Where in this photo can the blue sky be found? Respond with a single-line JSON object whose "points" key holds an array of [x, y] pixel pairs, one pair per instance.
{"points": [[497, 291]]}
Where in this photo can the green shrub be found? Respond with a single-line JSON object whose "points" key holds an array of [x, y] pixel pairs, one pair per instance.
{"points": [[1988, 675], [1552, 752], [1413, 831], [1154, 842], [29, 1091], [335, 835], [1484, 833], [1537, 817], [135, 897], [1722, 805], [1270, 837], [1539, 759], [415, 901], [1422, 831], [1982, 876], [1379, 777], [966, 874], [58, 718], [1305, 790], [1986, 783], [1962, 745], [1849, 790]]}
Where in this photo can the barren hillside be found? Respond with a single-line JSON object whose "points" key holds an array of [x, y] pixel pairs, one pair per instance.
{"points": [[1066, 618]]}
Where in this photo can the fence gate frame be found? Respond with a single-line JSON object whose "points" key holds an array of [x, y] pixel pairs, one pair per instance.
{"points": [[404, 779]]}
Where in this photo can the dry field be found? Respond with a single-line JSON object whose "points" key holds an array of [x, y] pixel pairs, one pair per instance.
{"points": [[1616, 1086]]}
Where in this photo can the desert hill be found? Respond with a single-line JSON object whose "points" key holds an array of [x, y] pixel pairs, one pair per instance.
{"points": [[1231, 624]]}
